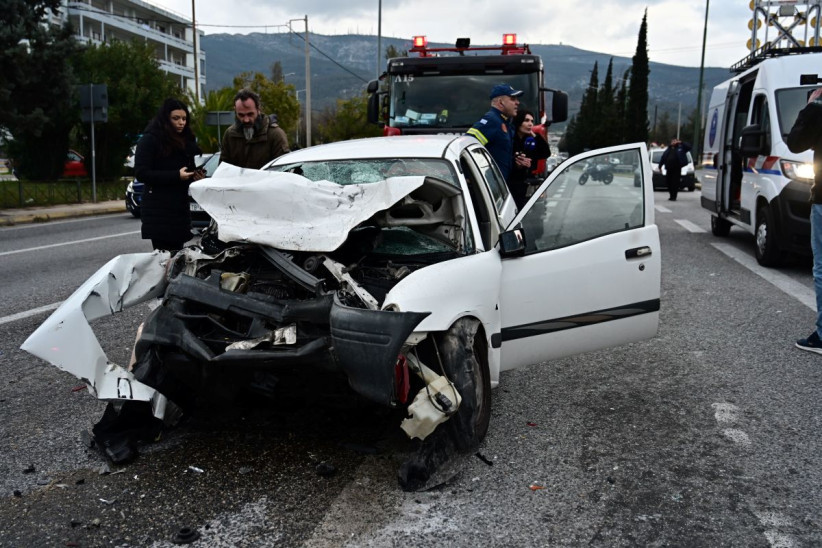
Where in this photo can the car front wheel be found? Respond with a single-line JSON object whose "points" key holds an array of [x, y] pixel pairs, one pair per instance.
{"points": [[767, 251], [465, 360]]}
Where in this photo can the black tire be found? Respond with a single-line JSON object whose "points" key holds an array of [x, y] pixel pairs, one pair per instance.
{"points": [[608, 178], [765, 238], [720, 227], [691, 187], [465, 359], [583, 179], [135, 212]]}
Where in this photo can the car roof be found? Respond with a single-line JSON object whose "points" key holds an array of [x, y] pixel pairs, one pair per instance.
{"points": [[402, 146]]}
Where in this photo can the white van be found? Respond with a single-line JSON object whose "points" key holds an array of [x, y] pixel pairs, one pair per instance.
{"points": [[750, 178]]}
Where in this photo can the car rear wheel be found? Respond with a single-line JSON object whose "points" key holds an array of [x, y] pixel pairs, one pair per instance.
{"points": [[465, 360], [767, 250]]}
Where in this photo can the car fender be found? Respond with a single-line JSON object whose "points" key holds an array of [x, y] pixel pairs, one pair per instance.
{"points": [[467, 286], [67, 341]]}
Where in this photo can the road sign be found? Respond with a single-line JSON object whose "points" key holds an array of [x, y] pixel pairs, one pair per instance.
{"points": [[93, 101], [219, 117]]}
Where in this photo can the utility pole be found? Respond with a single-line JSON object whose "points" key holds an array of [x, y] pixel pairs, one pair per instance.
{"points": [[307, 83], [697, 143], [379, 37], [196, 57]]}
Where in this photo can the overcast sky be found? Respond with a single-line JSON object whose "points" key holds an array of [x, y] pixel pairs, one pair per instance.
{"points": [[608, 26]]}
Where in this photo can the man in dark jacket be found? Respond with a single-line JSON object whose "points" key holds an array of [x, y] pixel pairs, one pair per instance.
{"points": [[254, 139], [495, 130], [807, 133], [674, 159]]}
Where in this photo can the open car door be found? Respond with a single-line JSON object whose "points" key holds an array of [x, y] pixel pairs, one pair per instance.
{"points": [[581, 262]]}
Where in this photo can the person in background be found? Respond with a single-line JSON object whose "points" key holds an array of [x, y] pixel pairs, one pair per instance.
{"points": [[164, 162], [529, 148], [674, 159], [495, 131], [254, 139], [805, 134]]}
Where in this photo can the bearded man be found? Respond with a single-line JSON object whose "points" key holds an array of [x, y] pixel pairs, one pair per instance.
{"points": [[253, 139]]}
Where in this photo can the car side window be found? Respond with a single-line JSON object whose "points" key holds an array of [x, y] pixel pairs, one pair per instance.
{"points": [[760, 115], [590, 198], [491, 174]]}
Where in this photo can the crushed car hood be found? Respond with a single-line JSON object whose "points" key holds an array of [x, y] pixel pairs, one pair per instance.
{"points": [[287, 211]]}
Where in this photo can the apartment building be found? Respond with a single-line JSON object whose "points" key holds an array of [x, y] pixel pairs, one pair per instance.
{"points": [[100, 21]]}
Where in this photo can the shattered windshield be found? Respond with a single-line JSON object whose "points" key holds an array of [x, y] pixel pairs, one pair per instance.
{"points": [[353, 172]]}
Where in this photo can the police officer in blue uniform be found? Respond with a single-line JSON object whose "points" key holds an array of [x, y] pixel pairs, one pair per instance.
{"points": [[495, 130]]}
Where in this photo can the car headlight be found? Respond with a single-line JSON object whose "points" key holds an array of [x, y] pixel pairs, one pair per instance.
{"points": [[798, 171]]}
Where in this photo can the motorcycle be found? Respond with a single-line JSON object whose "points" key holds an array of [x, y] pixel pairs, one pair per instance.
{"points": [[597, 172]]}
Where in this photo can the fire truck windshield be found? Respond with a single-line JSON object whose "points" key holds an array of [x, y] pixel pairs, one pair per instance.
{"points": [[457, 102]]}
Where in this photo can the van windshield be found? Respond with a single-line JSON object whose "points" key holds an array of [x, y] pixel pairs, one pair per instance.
{"points": [[788, 104]]}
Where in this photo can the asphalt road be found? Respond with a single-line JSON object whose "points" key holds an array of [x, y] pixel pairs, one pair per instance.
{"points": [[706, 435]]}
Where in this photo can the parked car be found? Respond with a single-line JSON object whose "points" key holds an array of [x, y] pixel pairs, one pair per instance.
{"points": [[688, 180], [398, 265], [199, 218], [74, 166]]}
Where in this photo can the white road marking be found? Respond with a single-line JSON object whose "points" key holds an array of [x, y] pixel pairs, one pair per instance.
{"points": [[737, 436], [725, 412], [793, 288], [38, 248], [662, 209], [772, 521], [552, 203], [29, 313], [689, 226]]}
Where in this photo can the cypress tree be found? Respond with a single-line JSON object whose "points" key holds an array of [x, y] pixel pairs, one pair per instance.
{"points": [[637, 111], [606, 127], [586, 120], [621, 105]]}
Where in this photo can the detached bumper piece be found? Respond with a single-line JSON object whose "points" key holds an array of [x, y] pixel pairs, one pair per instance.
{"points": [[199, 321]]}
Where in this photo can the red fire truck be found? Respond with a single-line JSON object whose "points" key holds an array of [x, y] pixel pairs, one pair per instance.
{"points": [[445, 90]]}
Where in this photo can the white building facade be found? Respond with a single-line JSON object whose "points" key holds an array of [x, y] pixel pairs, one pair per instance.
{"points": [[171, 35]]}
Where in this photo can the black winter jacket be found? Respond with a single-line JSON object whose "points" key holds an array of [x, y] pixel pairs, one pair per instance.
{"points": [[165, 207]]}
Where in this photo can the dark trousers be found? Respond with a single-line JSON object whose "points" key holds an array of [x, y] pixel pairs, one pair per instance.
{"points": [[164, 245], [673, 180]]}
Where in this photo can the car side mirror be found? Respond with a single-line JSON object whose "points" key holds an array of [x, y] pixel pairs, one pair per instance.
{"points": [[512, 243], [753, 141], [559, 107]]}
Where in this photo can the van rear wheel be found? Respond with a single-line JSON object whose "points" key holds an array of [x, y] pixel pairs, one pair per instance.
{"points": [[767, 250]]}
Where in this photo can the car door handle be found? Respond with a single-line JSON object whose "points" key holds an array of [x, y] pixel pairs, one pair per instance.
{"points": [[638, 252]]}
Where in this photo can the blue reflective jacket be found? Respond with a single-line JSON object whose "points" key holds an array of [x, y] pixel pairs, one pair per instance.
{"points": [[496, 133]]}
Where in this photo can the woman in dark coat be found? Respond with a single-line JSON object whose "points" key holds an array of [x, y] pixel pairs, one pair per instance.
{"points": [[529, 148], [164, 162]]}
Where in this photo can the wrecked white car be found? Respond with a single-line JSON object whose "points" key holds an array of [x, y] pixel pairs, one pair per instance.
{"points": [[400, 263]]}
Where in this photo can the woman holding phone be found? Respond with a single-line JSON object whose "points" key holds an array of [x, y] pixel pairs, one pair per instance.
{"points": [[164, 162]]}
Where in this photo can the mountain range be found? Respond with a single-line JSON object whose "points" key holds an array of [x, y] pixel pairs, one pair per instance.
{"points": [[341, 66]]}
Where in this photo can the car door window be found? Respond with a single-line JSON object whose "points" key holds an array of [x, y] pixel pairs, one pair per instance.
{"points": [[587, 199], [760, 115], [491, 174]]}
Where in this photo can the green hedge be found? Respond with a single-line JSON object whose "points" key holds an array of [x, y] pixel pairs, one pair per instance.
{"points": [[15, 194]]}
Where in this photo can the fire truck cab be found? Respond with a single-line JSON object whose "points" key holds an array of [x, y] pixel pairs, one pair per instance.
{"points": [[446, 90]]}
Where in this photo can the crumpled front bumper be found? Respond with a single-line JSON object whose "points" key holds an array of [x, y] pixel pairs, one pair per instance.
{"points": [[362, 343]]}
